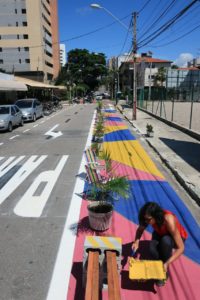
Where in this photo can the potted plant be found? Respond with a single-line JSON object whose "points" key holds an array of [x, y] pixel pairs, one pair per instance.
{"points": [[149, 129], [103, 194], [99, 129], [99, 106]]}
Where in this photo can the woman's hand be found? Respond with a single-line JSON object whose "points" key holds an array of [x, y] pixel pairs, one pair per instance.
{"points": [[135, 245], [166, 265]]}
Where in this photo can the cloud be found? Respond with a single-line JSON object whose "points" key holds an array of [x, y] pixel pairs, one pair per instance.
{"points": [[182, 60], [83, 10]]}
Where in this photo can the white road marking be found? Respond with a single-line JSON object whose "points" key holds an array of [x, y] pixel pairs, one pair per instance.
{"points": [[62, 269], [13, 137], [52, 133], [1, 144], [8, 164], [30, 165], [26, 130], [32, 205], [36, 125], [42, 122]]}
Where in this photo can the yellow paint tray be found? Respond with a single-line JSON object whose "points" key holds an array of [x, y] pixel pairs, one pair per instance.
{"points": [[146, 269]]}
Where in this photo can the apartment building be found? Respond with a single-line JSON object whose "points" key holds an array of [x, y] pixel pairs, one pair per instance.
{"points": [[62, 55], [29, 45]]}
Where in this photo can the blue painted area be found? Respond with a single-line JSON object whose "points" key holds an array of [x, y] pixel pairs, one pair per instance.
{"points": [[119, 135], [110, 110], [162, 193], [114, 119]]}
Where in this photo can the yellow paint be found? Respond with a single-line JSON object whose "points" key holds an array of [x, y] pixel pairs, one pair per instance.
{"points": [[92, 241], [108, 243], [109, 129], [132, 154], [98, 242], [146, 269]]}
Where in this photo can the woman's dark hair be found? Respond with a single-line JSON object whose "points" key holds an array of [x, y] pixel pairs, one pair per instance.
{"points": [[154, 210]]}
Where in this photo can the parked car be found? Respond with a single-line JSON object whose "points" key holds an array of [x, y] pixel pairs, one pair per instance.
{"points": [[31, 108], [10, 116], [99, 97]]}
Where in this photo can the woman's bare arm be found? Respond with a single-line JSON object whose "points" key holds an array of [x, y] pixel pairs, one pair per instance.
{"points": [[174, 232]]}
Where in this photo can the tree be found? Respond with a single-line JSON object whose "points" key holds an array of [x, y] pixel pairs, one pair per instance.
{"points": [[160, 77], [83, 68]]}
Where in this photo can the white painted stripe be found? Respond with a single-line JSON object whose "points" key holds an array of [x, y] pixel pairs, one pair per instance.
{"points": [[1, 144], [28, 167], [8, 164], [62, 269], [42, 122], [32, 205], [13, 137], [26, 130], [36, 125]]}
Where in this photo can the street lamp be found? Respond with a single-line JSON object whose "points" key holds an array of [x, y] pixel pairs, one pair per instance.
{"points": [[97, 6]]}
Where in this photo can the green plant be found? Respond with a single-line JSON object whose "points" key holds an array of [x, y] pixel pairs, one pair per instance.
{"points": [[99, 127], [149, 127], [96, 148], [105, 155], [101, 190], [99, 106]]}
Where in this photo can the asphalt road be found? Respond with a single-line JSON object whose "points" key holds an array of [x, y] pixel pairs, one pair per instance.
{"points": [[38, 165]]}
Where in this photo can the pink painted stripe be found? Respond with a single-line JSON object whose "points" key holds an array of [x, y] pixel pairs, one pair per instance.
{"points": [[113, 123], [112, 115], [120, 169], [183, 283]]}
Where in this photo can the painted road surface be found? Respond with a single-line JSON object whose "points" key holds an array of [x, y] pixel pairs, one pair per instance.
{"points": [[146, 184]]}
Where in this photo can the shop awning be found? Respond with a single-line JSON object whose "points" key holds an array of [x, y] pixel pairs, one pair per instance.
{"points": [[34, 83], [12, 85]]}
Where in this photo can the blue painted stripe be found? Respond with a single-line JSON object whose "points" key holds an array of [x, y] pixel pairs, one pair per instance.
{"points": [[116, 119], [119, 135], [161, 193]]}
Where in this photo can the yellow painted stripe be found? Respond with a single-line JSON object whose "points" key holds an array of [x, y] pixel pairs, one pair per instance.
{"points": [[109, 129], [108, 243], [92, 241], [111, 245], [132, 154]]}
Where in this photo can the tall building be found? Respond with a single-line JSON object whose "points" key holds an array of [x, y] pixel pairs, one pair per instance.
{"points": [[62, 54], [29, 43]]}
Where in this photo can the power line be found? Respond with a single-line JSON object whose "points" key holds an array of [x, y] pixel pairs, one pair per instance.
{"points": [[127, 33], [166, 26], [78, 36], [160, 17], [180, 37], [143, 7]]}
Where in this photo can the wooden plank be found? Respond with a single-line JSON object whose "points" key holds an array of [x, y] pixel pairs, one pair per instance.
{"points": [[113, 276], [92, 284]]}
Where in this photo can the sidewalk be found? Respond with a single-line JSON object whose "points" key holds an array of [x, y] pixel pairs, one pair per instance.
{"points": [[179, 151]]}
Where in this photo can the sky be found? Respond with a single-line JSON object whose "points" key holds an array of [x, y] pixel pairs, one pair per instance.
{"points": [[83, 27]]}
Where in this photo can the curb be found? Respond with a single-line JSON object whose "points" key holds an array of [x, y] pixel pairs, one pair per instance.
{"points": [[190, 189]]}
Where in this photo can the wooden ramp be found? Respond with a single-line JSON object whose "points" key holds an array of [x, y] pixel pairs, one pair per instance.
{"points": [[92, 291]]}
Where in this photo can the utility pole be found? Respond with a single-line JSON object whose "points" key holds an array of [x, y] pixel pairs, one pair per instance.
{"points": [[134, 16]]}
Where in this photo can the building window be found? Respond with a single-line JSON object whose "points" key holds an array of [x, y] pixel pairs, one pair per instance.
{"points": [[25, 36], [20, 61], [1, 49], [24, 24], [18, 36], [19, 49], [26, 48], [23, 11], [16, 24], [16, 11], [27, 61], [1, 61]]}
